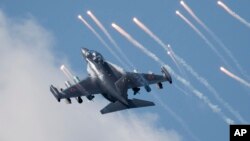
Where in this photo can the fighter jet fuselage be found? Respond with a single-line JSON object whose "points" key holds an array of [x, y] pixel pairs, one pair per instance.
{"points": [[107, 74], [112, 82]]}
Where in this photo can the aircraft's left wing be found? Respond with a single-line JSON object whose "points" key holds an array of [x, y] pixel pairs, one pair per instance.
{"points": [[86, 87]]}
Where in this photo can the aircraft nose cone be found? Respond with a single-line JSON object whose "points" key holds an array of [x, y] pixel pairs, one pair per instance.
{"points": [[84, 51]]}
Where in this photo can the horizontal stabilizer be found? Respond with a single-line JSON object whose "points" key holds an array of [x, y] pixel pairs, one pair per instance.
{"points": [[133, 103]]}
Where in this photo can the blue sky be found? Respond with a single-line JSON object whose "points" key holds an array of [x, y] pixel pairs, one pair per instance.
{"points": [[60, 19]]}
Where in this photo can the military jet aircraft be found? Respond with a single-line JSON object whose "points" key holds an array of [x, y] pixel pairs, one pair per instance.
{"points": [[112, 82]]}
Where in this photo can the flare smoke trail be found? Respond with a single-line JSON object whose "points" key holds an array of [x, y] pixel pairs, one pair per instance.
{"points": [[211, 89], [66, 72], [158, 40], [70, 76], [104, 30], [189, 68], [230, 74], [100, 39], [203, 37], [177, 117], [197, 93], [136, 43], [171, 54], [233, 14], [215, 37], [148, 31]]}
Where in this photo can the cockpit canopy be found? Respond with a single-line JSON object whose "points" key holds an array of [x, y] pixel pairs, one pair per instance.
{"points": [[94, 56]]}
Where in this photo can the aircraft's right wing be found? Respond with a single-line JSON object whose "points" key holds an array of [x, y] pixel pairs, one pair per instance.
{"points": [[142, 79], [86, 87]]}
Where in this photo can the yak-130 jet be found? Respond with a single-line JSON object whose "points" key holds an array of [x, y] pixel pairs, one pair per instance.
{"points": [[112, 82]]}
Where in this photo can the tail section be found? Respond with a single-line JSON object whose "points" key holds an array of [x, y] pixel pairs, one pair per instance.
{"points": [[132, 103]]}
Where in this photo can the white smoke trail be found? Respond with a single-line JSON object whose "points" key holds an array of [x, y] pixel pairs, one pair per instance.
{"points": [[215, 37], [202, 97], [104, 30], [70, 76], [211, 89], [203, 37], [136, 43], [189, 68], [197, 93], [148, 31], [65, 72], [171, 54], [233, 14], [159, 41], [230, 74], [101, 39]]}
